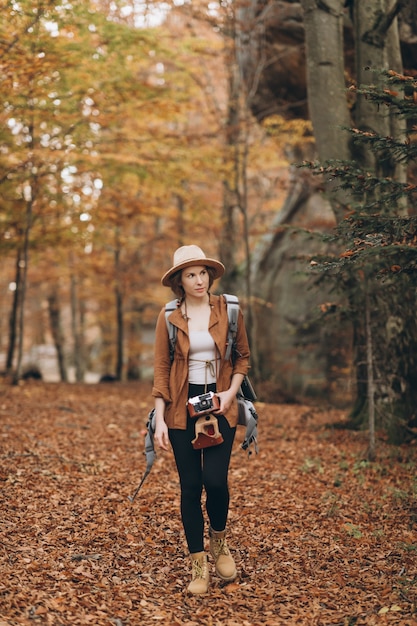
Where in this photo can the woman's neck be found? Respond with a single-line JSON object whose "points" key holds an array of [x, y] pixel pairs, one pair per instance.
{"points": [[194, 306], [196, 303]]}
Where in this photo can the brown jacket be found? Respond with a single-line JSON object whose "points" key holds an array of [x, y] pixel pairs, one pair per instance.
{"points": [[171, 380]]}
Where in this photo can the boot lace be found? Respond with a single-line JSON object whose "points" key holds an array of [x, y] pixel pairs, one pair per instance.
{"points": [[220, 547], [199, 569]]}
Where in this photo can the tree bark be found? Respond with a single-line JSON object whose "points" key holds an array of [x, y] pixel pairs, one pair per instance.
{"points": [[323, 22], [377, 48]]}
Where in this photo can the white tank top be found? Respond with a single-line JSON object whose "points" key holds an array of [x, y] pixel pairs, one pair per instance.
{"points": [[202, 360]]}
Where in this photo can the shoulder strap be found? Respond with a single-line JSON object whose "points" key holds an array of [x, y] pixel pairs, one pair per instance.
{"points": [[172, 329], [232, 303]]}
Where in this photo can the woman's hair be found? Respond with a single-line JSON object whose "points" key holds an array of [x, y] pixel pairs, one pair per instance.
{"points": [[176, 282]]}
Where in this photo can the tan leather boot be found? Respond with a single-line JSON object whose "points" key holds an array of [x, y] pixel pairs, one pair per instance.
{"points": [[200, 573], [225, 565]]}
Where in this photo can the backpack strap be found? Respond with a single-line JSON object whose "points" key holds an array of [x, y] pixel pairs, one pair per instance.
{"points": [[247, 413], [232, 303], [172, 329]]}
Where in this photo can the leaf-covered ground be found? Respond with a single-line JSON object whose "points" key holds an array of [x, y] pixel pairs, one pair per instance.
{"points": [[321, 536]]}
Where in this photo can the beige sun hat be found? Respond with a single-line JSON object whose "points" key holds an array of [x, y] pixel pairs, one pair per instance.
{"points": [[191, 255]]}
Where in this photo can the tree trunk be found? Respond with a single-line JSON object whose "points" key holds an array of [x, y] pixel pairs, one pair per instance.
{"points": [[56, 330], [120, 333], [370, 376], [395, 354], [229, 239], [235, 197], [323, 22], [377, 48], [77, 331], [119, 310], [23, 284], [13, 319]]}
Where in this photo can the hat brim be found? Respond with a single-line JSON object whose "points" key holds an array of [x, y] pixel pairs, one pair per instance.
{"points": [[216, 265]]}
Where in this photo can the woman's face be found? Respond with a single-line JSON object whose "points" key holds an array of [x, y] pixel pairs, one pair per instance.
{"points": [[195, 281]]}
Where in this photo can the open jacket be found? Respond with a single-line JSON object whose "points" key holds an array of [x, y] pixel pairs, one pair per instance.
{"points": [[171, 379]]}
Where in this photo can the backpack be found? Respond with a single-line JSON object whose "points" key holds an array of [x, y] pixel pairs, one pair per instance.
{"points": [[247, 415]]}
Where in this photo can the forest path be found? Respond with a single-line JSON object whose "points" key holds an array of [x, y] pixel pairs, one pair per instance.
{"points": [[320, 536]]}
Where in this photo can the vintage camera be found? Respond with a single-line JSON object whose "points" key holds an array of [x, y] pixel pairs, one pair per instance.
{"points": [[202, 405]]}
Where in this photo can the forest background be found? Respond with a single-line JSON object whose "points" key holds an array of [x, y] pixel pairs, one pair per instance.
{"points": [[115, 151], [124, 137], [280, 136]]}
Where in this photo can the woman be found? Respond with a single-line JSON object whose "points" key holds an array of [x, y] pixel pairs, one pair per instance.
{"points": [[198, 367]]}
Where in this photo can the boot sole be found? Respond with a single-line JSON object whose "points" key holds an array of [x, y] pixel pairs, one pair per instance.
{"points": [[199, 593]]}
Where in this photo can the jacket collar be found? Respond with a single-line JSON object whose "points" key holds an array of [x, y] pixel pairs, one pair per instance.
{"points": [[177, 319]]}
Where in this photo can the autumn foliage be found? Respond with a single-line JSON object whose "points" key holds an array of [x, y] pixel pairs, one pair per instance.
{"points": [[115, 150], [320, 535]]}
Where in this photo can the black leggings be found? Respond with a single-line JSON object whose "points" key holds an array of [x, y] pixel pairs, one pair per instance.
{"points": [[206, 468]]}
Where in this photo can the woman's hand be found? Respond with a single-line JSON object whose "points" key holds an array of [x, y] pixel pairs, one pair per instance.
{"points": [[226, 399], [161, 434], [161, 429]]}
